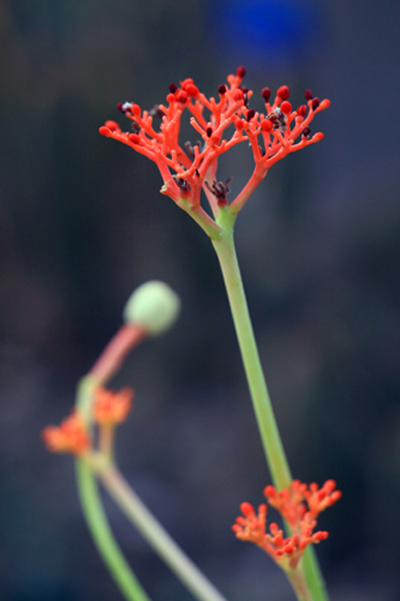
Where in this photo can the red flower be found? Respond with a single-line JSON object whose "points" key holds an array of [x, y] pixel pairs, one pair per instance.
{"points": [[271, 136], [112, 407], [70, 437], [300, 506]]}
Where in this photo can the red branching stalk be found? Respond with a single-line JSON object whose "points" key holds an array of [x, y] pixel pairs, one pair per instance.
{"points": [[300, 505], [185, 172]]}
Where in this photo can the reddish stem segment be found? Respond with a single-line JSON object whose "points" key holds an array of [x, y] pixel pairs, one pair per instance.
{"points": [[111, 359]]}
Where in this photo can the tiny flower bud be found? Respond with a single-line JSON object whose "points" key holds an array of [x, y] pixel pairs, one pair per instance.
{"points": [[241, 72], [266, 94], [283, 92], [308, 95], [182, 96], [325, 104], [134, 138], [112, 126], [315, 103], [250, 114], [222, 89], [238, 95], [192, 90], [302, 110], [266, 125], [317, 137], [154, 306], [286, 107], [135, 109], [172, 88], [105, 131]]}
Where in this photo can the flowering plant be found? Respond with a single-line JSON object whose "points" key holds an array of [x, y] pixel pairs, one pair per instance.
{"points": [[88, 433]]}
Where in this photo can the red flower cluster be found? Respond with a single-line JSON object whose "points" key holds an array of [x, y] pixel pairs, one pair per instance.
{"points": [[185, 172], [300, 505], [72, 436]]}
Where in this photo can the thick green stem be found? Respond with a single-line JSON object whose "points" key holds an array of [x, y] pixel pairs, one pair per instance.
{"points": [[270, 437], [156, 536], [102, 535]]}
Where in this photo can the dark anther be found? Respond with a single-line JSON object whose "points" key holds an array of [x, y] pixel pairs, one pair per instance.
{"points": [[221, 89], [266, 94], [308, 95], [250, 114], [220, 190], [135, 127], [241, 72], [156, 112], [244, 89], [306, 132], [209, 131], [278, 119], [315, 103], [181, 183], [172, 88]]}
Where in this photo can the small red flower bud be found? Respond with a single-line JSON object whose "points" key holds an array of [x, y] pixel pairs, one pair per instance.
{"points": [[182, 97], [105, 131], [238, 95], [318, 136], [172, 88], [302, 110], [192, 90], [247, 509], [266, 94], [171, 98], [112, 126], [186, 82], [325, 104], [222, 89], [209, 131], [134, 138], [283, 92], [286, 107], [308, 95], [239, 124], [315, 103], [135, 109], [269, 491], [241, 72], [119, 107], [266, 125]]}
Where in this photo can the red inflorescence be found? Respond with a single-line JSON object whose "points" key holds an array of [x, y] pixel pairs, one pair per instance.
{"points": [[300, 505], [70, 437], [111, 407], [272, 135]]}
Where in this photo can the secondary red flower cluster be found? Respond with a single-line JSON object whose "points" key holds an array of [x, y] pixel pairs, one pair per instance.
{"points": [[72, 436], [300, 505], [272, 136]]}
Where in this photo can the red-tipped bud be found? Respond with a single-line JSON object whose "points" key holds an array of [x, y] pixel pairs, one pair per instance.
{"points": [[186, 82], [250, 114], [269, 491], [316, 137], [135, 109], [325, 104], [119, 107], [315, 103], [266, 125], [302, 110], [306, 134], [241, 72], [221, 89], [171, 98], [308, 95], [247, 509], [182, 97], [266, 94], [192, 90], [105, 131], [209, 131], [283, 92], [172, 88], [112, 126], [238, 95], [239, 124], [318, 536], [134, 138], [286, 107]]}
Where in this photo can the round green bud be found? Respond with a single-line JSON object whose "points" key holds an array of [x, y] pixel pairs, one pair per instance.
{"points": [[154, 306]]}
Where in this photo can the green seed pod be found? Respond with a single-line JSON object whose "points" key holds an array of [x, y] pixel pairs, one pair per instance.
{"points": [[154, 306]]}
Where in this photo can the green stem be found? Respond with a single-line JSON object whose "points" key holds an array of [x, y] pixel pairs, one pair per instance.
{"points": [[95, 515], [156, 536], [268, 428], [102, 535]]}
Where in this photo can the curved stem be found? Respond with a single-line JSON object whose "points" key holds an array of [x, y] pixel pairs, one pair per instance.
{"points": [[268, 428], [156, 536], [102, 535]]}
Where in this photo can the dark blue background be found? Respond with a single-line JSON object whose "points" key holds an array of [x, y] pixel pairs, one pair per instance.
{"points": [[82, 224]]}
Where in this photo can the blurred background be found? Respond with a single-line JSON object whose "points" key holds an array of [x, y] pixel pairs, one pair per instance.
{"points": [[82, 224]]}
